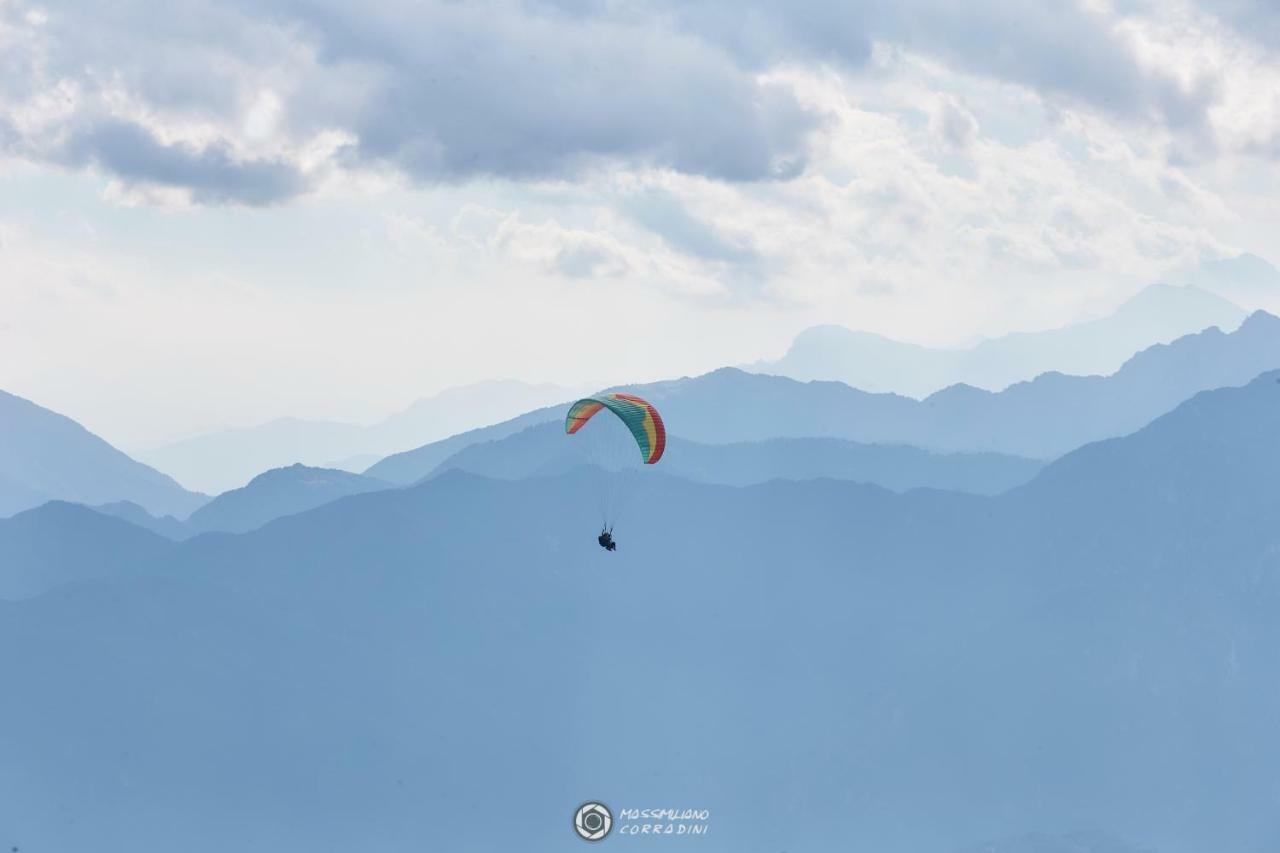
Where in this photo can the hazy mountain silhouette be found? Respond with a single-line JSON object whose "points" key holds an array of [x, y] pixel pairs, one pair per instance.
{"points": [[44, 456], [543, 449], [412, 465], [228, 459], [60, 542], [283, 491], [166, 526], [1040, 419], [15, 497], [1246, 280], [1203, 461], [1095, 650], [1158, 314]]}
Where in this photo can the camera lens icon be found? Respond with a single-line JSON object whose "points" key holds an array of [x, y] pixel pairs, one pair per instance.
{"points": [[592, 821]]}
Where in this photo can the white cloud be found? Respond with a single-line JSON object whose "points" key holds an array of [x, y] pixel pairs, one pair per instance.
{"points": [[575, 253]]}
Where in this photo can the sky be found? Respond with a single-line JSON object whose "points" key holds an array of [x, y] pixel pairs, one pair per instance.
{"points": [[219, 213]]}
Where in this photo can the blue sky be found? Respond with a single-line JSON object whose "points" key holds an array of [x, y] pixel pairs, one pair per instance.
{"points": [[220, 213]]}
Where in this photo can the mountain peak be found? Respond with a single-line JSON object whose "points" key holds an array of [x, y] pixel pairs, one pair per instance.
{"points": [[1260, 321], [1168, 296], [278, 492], [46, 455], [1158, 313], [1246, 280], [224, 460]]}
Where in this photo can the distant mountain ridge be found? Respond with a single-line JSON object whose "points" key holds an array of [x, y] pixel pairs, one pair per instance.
{"points": [[60, 543], [1040, 419], [47, 456], [1158, 314], [542, 450], [276, 493], [268, 496], [1247, 280], [166, 526], [220, 461]]}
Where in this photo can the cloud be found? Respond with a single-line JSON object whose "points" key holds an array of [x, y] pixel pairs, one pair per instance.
{"points": [[477, 89], [955, 124], [1255, 19], [212, 174], [438, 92], [1067, 48], [443, 92], [1061, 49], [574, 253], [663, 214]]}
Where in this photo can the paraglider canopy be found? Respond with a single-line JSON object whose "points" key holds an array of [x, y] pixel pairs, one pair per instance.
{"points": [[610, 444], [639, 416]]}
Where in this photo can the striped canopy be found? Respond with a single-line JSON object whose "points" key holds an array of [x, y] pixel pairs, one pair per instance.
{"points": [[640, 417]]}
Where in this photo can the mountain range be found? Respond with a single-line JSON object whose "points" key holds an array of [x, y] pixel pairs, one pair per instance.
{"points": [[727, 427], [1040, 419], [1246, 280], [60, 542], [276, 493], [268, 496], [227, 459], [1085, 662], [542, 450], [47, 456], [167, 525], [1158, 314]]}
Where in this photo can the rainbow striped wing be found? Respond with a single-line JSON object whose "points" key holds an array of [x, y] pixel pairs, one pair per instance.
{"points": [[639, 415]]}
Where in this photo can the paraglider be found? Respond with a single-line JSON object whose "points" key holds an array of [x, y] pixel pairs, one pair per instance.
{"points": [[612, 448], [639, 416]]}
